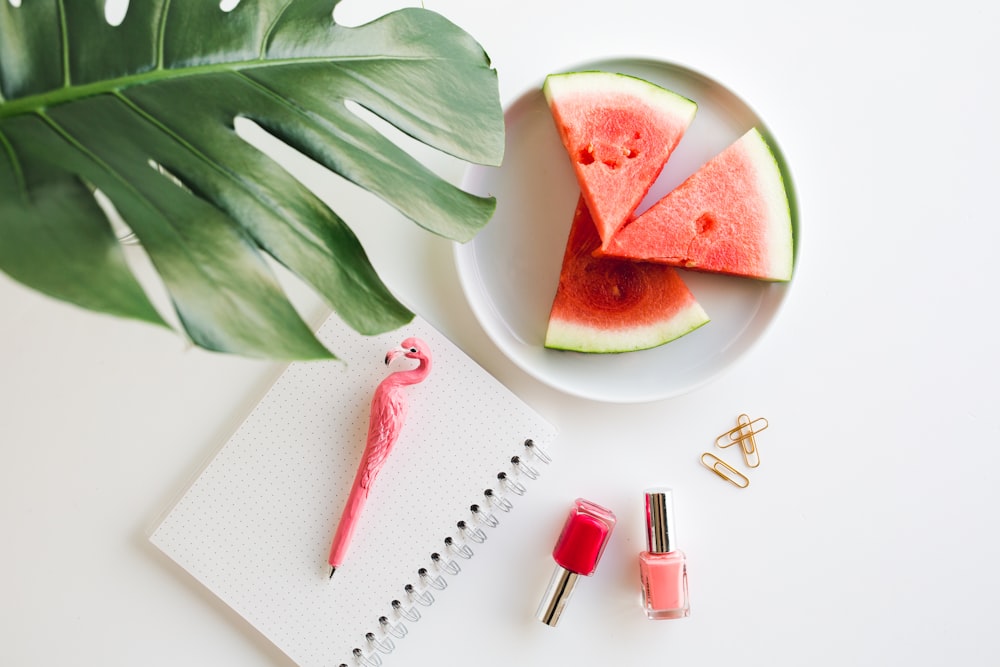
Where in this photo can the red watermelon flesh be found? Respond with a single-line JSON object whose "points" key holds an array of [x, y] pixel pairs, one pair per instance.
{"points": [[604, 304], [731, 216], [619, 131]]}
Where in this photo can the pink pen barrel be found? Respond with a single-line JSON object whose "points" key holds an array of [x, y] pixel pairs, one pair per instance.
{"points": [[348, 521]]}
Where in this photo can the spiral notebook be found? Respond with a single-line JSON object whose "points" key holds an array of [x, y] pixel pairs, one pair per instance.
{"points": [[255, 525]]}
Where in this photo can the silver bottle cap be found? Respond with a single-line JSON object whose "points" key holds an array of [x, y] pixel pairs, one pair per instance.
{"points": [[660, 520], [557, 595]]}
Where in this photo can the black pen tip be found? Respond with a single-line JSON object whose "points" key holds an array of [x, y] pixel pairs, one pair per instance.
{"points": [[332, 570]]}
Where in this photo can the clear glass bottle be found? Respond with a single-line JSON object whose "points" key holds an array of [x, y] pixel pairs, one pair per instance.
{"points": [[662, 568]]}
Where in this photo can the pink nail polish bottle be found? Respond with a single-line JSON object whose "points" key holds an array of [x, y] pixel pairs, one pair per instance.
{"points": [[663, 568], [577, 552]]}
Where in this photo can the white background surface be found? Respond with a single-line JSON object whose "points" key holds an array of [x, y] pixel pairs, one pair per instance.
{"points": [[868, 534]]}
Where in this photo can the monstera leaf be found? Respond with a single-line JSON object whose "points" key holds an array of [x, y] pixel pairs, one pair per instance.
{"points": [[141, 115]]}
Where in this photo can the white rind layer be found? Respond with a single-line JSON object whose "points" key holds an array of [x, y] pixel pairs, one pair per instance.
{"points": [[771, 186], [563, 335], [603, 83]]}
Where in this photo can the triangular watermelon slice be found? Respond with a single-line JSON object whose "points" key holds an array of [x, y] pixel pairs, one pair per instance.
{"points": [[619, 131], [731, 216], [604, 304]]}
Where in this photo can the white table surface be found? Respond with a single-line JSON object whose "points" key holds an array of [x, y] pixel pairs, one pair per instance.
{"points": [[868, 534]]}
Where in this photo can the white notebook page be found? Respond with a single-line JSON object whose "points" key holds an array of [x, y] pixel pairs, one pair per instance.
{"points": [[255, 526]]}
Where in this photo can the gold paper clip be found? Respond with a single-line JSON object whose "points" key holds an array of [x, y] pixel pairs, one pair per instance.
{"points": [[744, 434], [724, 470]]}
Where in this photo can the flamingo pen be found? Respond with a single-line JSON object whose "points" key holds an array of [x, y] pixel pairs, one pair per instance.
{"points": [[388, 412]]}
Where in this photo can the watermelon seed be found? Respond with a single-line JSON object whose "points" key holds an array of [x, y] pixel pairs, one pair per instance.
{"points": [[586, 155], [704, 223]]}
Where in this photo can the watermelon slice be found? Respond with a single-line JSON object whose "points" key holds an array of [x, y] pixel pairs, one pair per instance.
{"points": [[731, 216], [619, 131], [611, 305]]}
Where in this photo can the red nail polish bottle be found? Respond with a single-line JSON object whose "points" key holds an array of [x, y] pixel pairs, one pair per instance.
{"points": [[577, 552]]}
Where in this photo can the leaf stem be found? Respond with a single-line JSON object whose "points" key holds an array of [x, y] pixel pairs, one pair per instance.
{"points": [[15, 166], [161, 33], [56, 96], [265, 42], [64, 41]]}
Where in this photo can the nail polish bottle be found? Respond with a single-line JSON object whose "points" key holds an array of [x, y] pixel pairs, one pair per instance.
{"points": [[577, 552], [663, 568]]}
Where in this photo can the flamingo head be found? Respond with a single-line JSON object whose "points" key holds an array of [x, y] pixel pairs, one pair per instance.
{"points": [[412, 348]]}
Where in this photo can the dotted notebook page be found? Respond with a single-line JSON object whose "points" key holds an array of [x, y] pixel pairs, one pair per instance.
{"points": [[255, 526]]}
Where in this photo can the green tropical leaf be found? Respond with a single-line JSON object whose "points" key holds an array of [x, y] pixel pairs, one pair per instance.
{"points": [[144, 112]]}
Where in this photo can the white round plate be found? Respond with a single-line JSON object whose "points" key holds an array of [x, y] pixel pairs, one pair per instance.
{"points": [[510, 270]]}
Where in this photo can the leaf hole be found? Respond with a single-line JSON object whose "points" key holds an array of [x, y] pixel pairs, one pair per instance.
{"points": [[119, 227], [115, 11], [353, 13], [228, 5], [156, 166]]}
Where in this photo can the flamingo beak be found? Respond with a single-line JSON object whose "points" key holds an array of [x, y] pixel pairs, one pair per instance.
{"points": [[392, 354]]}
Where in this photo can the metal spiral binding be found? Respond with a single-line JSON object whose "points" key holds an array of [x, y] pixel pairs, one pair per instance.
{"points": [[445, 565], [369, 660], [471, 533], [484, 516], [420, 597], [493, 499], [523, 468], [463, 551], [397, 629], [384, 645], [410, 614], [437, 582], [447, 561], [535, 451], [511, 485]]}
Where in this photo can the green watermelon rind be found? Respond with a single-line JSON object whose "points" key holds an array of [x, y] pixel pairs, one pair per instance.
{"points": [[600, 81], [565, 335]]}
